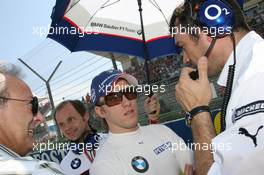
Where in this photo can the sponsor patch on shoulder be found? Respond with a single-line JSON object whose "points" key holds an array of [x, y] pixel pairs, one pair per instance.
{"points": [[249, 109], [162, 148]]}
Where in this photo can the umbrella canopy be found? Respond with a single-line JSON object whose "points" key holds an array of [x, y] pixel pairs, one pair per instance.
{"points": [[114, 26]]}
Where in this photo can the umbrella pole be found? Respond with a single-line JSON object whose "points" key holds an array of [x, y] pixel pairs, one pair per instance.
{"points": [[145, 49], [113, 60], [146, 54]]}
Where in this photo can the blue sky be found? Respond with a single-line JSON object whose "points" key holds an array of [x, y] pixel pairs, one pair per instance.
{"points": [[19, 39]]}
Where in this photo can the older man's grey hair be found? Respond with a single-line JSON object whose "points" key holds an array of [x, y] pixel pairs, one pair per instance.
{"points": [[7, 69], [10, 69]]}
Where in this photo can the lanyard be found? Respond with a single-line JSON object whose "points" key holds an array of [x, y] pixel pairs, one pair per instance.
{"points": [[90, 154]]}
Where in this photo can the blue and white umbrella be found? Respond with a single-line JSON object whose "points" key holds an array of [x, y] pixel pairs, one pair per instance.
{"points": [[114, 26]]}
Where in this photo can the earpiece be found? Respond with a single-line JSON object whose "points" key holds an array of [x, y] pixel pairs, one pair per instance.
{"points": [[216, 15], [217, 18]]}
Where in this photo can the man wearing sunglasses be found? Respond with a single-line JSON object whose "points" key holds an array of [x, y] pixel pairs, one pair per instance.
{"points": [[130, 148], [18, 118], [72, 119]]}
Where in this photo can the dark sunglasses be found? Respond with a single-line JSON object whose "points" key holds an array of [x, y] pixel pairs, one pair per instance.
{"points": [[116, 98], [33, 102]]}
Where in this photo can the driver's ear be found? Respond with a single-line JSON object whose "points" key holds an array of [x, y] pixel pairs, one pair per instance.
{"points": [[100, 111]]}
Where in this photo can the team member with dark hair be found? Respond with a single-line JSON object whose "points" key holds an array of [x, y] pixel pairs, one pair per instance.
{"points": [[236, 49], [72, 119]]}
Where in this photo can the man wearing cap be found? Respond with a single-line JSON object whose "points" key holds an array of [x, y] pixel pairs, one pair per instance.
{"points": [[18, 118], [130, 148], [72, 119]]}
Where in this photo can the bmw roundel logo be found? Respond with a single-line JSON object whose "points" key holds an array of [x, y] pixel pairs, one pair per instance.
{"points": [[140, 164], [76, 163]]}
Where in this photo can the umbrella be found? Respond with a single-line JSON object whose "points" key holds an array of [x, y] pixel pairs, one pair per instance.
{"points": [[241, 3], [132, 27]]}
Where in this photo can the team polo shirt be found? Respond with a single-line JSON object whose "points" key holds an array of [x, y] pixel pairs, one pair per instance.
{"points": [[150, 150], [242, 143], [79, 163], [76, 164]]}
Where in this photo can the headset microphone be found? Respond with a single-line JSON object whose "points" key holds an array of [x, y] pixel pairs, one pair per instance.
{"points": [[195, 74]]}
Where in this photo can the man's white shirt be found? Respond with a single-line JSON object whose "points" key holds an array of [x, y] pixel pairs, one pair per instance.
{"points": [[244, 134], [12, 163], [153, 149]]}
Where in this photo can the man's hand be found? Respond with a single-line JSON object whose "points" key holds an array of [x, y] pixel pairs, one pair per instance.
{"points": [[152, 104], [189, 93]]}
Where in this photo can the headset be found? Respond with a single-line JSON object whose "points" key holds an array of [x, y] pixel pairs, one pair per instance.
{"points": [[218, 15]]}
